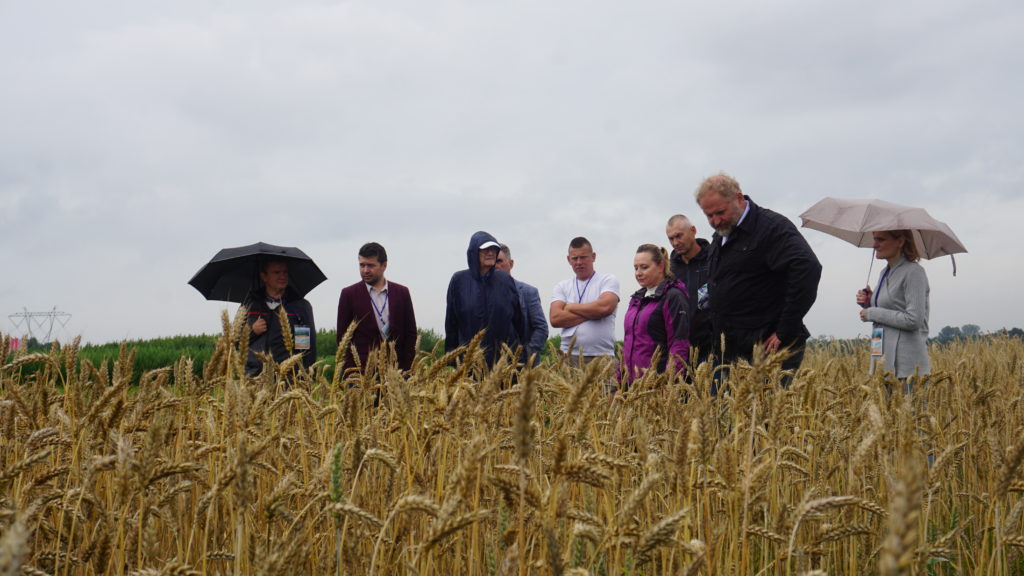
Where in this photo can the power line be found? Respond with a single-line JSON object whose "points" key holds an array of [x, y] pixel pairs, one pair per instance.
{"points": [[41, 321]]}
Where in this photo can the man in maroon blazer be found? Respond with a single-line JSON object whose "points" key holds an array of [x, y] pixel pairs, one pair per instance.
{"points": [[382, 309]]}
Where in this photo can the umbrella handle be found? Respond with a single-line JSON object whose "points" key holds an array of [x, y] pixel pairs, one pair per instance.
{"points": [[871, 265]]}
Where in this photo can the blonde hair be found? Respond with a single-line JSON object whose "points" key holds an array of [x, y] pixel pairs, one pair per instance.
{"points": [[722, 184], [659, 255]]}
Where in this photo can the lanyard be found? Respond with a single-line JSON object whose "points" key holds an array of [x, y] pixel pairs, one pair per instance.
{"points": [[380, 311], [580, 293], [881, 281]]}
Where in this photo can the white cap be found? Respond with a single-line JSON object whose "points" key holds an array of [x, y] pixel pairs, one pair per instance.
{"points": [[489, 244]]}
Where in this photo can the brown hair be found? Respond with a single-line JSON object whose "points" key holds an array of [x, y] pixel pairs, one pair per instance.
{"points": [[374, 250], [659, 255], [580, 242], [909, 246]]}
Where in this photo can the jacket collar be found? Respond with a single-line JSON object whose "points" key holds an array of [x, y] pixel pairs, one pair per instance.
{"points": [[659, 291], [702, 255], [899, 262]]}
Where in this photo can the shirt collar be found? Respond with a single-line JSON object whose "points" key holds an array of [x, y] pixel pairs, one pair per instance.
{"points": [[746, 210]]}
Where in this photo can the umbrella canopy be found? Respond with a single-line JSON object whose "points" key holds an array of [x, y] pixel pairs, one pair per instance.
{"points": [[855, 220], [233, 272]]}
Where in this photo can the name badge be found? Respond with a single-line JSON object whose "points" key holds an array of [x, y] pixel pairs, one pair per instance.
{"points": [[703, 303], [302, 338], [876, 341]]}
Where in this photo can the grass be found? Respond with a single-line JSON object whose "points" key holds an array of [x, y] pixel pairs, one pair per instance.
{"points": [[454, 469]]}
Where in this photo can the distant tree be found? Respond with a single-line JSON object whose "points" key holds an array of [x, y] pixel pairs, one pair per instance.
{"points": [[1016, 333], [948, 334], [970, 330]]}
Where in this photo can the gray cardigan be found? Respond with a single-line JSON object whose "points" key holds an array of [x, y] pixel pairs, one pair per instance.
{"points": [[902, 312]]}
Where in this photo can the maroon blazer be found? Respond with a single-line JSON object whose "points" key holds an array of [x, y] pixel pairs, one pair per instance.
{"points": [[354, 305]]}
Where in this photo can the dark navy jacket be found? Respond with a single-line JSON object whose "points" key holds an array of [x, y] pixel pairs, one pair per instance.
{"points": [[300, 313], [476, 302], [763, 280]]}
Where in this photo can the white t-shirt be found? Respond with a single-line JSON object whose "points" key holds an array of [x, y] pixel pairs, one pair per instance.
{"points": [[593, 337]]}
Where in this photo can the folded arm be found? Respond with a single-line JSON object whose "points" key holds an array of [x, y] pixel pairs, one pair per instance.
{"points": [[569, 314]]}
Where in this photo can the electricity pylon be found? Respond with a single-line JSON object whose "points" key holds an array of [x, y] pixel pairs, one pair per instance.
{"points": [[41, 321]]}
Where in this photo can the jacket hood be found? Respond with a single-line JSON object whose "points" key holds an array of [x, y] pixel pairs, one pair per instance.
{"points": [[472, 253]]}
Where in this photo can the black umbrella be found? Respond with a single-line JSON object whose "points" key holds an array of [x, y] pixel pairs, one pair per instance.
{"points": [[233, 272]]}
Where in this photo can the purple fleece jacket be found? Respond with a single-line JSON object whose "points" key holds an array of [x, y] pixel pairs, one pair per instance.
{"points": [[656, 321]]}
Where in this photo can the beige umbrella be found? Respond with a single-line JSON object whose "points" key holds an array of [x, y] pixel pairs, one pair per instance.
{"points": [[855, 220]]}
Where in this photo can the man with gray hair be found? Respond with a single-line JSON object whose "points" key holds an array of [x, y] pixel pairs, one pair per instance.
{"points": [[535, 325], [764, 275], [689, 263]]}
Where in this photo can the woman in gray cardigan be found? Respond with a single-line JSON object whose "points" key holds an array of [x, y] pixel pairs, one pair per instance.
{"points": [[899, 305]]}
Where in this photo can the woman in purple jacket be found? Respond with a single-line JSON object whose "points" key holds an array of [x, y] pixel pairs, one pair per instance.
{"points": [[656, 318]]}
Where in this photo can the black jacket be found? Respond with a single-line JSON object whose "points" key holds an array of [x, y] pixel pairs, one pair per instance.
{"points": [[694, 275], [478, 301], [764, 279], [300, 313]]}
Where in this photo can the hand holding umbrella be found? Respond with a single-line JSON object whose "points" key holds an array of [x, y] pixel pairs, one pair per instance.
{"points": [[259, 326], [864, 297]]}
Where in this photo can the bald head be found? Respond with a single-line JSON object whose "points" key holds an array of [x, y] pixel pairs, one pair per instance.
{"points": [[682, 235], [680, 220]]}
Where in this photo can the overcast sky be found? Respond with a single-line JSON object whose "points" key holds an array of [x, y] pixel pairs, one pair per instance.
{"points": [[138, 138]]}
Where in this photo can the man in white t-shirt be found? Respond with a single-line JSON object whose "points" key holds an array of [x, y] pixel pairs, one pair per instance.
{"points": [[584, 305]]}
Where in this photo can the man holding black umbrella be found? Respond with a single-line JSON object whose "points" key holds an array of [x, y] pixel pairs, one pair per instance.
{"points": [[271, 282], [267, 305]]}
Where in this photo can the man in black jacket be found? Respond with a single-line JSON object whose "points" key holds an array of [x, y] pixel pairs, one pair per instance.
{"points": [[764, 275], [263, 304], [689, 263]]}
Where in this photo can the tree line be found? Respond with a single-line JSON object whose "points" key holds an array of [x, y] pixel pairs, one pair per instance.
{"points": [[971, 331]]}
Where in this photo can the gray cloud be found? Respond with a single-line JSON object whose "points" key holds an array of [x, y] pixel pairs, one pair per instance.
{"points": [[138, 140]]}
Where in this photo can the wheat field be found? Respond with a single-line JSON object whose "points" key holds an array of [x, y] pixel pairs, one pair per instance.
{"points": [[460, 470]]}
